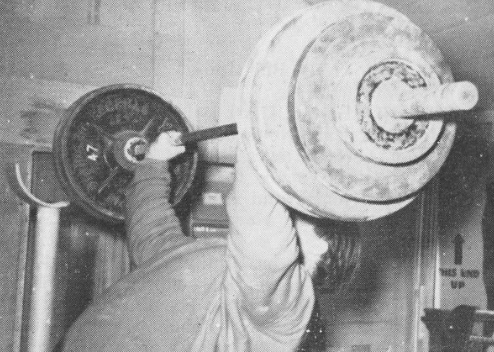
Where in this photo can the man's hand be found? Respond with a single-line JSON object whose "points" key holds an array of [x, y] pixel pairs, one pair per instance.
{"points": [[163, 148]]}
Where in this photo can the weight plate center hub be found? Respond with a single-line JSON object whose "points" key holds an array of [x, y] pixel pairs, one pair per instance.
{"points": [[129, 149], [379, 136], [386, 122]]}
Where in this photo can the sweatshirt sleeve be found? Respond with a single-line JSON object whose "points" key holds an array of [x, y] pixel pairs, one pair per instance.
{"points": [[151, 223]]}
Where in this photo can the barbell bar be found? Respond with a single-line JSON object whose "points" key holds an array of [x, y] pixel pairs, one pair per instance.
{"points": [[207, 133], [393, 104]]}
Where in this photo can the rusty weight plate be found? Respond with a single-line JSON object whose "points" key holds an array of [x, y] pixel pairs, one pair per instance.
{"points": [[100, 140], [304, 119]]}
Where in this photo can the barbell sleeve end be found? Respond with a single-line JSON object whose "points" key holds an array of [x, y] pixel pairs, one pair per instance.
{"points": [[460, 95], [394, 99]]}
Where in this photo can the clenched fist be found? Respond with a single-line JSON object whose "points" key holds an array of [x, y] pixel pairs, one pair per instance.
{"points": [[163, 148]]}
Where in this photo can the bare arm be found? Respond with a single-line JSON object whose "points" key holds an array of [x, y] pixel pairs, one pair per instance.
{"points": [[263, 256]]}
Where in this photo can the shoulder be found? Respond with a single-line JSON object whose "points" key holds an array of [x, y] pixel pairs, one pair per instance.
{"points": [[176, 286]]}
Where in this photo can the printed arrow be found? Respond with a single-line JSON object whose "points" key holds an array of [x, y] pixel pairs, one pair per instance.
{"points": [[458, 241]]}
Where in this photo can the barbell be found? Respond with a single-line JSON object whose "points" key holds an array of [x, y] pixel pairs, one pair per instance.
{"points": [[343, 109]]}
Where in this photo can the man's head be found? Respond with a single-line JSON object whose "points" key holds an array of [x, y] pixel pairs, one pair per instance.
{"points": [[330, 251]]}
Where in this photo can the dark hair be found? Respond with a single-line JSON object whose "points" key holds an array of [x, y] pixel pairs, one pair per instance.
{"points": [[340, 262]]}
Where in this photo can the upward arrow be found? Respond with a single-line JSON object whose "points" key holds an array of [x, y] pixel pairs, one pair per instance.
{"points": [[458, 241]]}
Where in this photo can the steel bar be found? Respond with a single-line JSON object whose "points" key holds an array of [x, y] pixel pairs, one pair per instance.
{"points": [[205, 134]]}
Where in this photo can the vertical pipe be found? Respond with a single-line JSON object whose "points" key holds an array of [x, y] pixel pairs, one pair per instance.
{"points": [[46, 239]]}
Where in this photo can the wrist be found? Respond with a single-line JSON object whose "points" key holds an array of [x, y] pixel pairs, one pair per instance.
{"points": [[151, 160], [152, 168]]}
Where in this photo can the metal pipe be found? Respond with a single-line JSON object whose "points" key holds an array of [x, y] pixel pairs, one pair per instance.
{"points": [[45, 249], [40, 317]]}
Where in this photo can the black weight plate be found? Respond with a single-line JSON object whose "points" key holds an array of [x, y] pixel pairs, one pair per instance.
{"points": [[85, 136]]}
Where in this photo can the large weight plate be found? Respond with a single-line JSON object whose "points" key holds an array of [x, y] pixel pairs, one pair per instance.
{"points": [[303, 111], [95, 147]]}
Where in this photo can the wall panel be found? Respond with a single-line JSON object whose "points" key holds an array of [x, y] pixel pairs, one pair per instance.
{"points": [[378, 310], [469, 50], [436, 16]]}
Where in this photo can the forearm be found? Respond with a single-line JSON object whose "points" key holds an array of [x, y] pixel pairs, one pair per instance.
{"points": [[151, 223], [262, 247], [262, 237]]}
